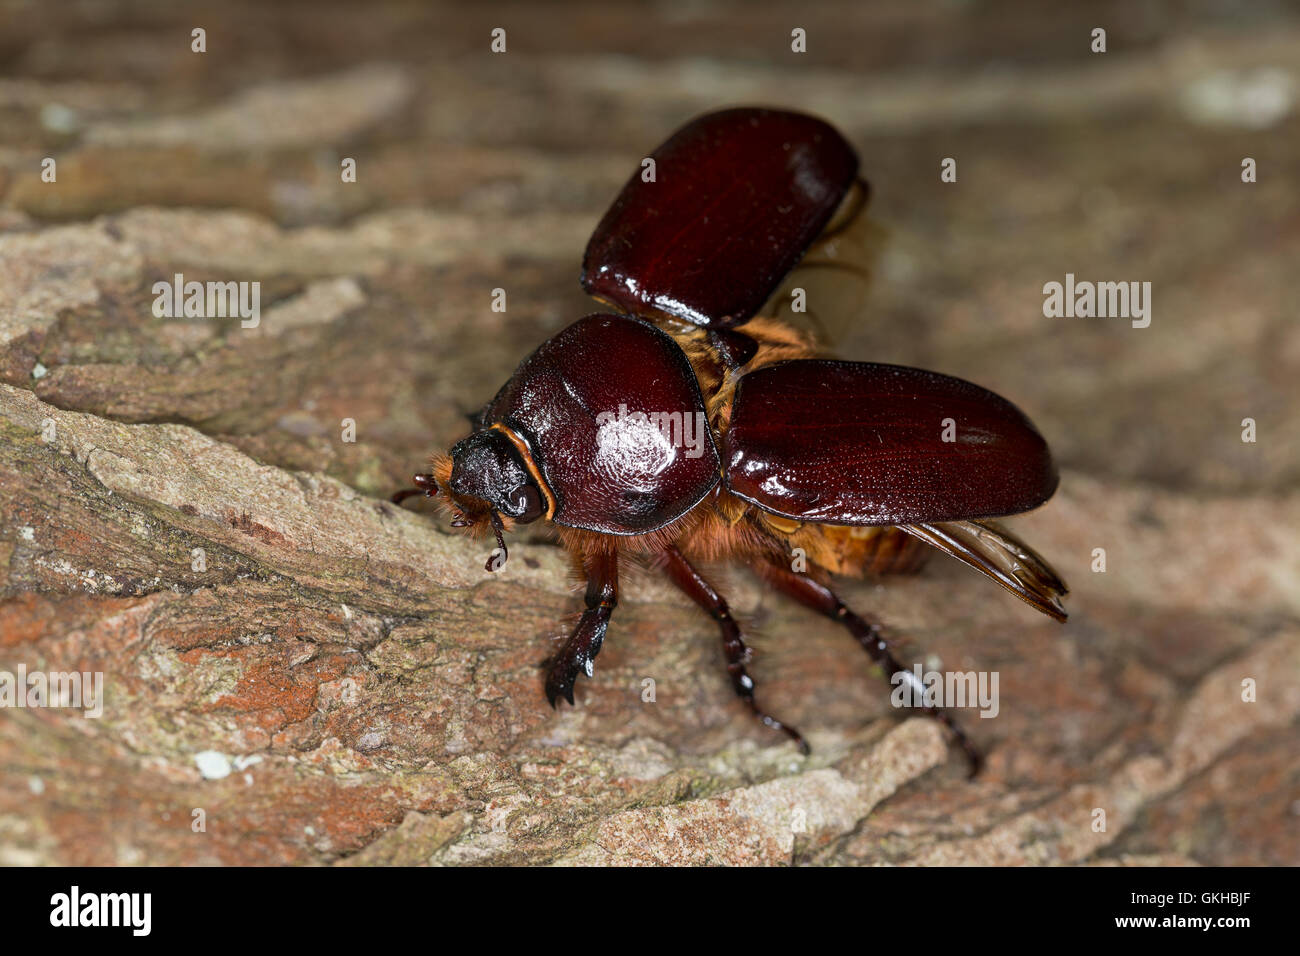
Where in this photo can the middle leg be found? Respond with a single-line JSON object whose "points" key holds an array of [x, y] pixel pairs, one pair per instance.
{"points": [[684, 575]]}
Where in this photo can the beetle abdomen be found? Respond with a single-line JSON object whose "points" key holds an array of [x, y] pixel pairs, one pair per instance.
{"points": [[858, 443], [614, 418], [852, 550]]}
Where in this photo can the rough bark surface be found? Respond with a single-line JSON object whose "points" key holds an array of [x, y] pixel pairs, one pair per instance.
{"points": [[341, 682]]}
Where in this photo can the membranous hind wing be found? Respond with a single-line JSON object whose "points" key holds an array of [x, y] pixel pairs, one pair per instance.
{"points": [[736, 199], [829, 290], [993, 550], [858, 443]]}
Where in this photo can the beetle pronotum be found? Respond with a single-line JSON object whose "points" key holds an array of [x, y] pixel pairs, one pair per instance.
{"points": [[843, 460]]}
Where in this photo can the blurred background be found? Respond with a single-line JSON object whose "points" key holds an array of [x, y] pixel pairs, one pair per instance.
{"points": [[369, 694]]}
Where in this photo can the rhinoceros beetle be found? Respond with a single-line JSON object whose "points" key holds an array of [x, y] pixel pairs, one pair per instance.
{"points": [[683, 428]]}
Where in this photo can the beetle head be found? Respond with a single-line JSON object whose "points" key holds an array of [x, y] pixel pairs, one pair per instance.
{"points": [[487, 466], [488, 485]]}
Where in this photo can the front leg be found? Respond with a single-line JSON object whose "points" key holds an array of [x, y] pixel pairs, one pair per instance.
{"points": [[580, 650]]}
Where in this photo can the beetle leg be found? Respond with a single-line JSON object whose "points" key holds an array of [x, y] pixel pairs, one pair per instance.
{"points": [[812, 593], [684, 575], [579, 652]]}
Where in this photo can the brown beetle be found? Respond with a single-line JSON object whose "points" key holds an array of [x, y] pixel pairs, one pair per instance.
{"points": [[684, 429]]}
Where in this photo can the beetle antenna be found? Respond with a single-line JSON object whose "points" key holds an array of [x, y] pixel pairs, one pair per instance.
{"points": [[501, 545], [424, 485]]}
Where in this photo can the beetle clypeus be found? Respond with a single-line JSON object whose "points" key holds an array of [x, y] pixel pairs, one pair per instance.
{"points": [[844, 463]]}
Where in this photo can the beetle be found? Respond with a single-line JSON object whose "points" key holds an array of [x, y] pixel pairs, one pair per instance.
{"points": [[843, 464]]}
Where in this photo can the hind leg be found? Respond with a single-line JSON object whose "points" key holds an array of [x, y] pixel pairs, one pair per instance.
{"points": [[812, 593], [684, 575]]}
